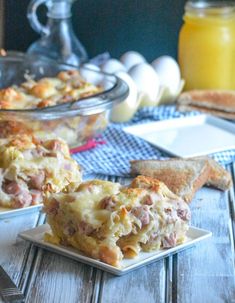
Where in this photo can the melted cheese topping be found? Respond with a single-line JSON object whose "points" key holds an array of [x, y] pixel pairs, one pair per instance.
{"points": [[30, 168], [67, 86], [108, 222]]}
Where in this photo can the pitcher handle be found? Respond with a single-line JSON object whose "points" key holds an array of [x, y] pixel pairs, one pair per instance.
{"points": [[33, 18]]}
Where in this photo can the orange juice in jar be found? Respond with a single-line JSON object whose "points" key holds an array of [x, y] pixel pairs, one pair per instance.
{"points": [[207, 45]]}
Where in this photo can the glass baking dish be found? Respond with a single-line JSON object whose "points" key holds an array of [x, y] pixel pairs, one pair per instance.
{"points": [[75, 121]]}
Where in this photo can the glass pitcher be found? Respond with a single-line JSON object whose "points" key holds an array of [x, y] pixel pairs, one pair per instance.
{"points": [[58, 40]]}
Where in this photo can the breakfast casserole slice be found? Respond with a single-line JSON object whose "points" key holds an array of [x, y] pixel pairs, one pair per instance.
{"points": [[29, 167], [67, 86], [108, 222]]}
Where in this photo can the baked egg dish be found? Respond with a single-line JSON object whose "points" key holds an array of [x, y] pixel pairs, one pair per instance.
{"points": [[109, 222], [67, 86], [31, 167]]}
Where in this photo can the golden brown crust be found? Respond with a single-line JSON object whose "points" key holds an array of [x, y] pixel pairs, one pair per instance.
{"points": [[10, 128], [108, 255], [108, 222], [214, 99], [198, 183], [219, 113], [67, 86], [174, 179], [184, 176], [183, 183], [150, 183], [218, 176], [6, 95], [21, 142], [153, 184], [30, 168]]}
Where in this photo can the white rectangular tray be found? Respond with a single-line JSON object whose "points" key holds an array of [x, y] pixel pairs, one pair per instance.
{"points": [[36, 236], [6, 213], [188, 136]]}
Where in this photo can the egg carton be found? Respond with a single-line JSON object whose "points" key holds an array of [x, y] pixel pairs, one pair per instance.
{"points": [[150, 84], [126, 110]]}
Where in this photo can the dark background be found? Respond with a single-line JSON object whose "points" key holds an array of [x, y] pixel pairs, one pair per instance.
{"points": [[148, 26]]}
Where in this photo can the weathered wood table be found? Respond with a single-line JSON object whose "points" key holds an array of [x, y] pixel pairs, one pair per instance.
{"points": [[201, 274]]}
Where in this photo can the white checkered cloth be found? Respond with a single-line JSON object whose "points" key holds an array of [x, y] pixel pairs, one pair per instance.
{"points": [[113, 157]]}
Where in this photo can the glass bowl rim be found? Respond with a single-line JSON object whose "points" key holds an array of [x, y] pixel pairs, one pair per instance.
{"points": [[107, 98]]}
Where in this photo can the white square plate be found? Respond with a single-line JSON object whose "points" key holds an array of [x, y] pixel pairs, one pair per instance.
{"points": [[6, 213], [36, 236], [188, 136]]}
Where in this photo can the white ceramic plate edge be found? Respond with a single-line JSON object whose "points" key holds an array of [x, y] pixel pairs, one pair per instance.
{"points": [[8, 213], [35, 236], [140, 130]]}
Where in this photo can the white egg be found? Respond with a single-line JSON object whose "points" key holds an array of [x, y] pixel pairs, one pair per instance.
{"points": [[112, 66], [132, 58], [126, 109], [168, 71], [147, 82], [90, 73]]}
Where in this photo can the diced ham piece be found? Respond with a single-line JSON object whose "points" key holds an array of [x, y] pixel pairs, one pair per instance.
{"points": [[36, 181], [12, 188], [148, 200], [67, 75], [21, 196], [168, 211], [66, 98], [142, 213], [85, 228], [69, 229], [52, 209], [184, 214], [170, 215], [55, 145], [36, 197], [23, 199], [169, 241], [107, 203], [38, 152]]}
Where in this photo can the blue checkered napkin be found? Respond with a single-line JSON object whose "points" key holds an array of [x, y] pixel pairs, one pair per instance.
{"points": [[113, 157], [158, 113]]}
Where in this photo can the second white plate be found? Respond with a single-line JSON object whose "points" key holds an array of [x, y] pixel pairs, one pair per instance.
{"points": [[6, 213], [36, 236], [188, 136]]}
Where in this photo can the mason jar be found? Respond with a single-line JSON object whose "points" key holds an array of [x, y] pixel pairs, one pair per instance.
{"points": [[206, 51]]}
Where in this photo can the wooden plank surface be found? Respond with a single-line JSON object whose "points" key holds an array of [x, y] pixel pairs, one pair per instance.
{"points": [[16, 255], [144, 285], [204, 273], [60, 279], [147, 283]]}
